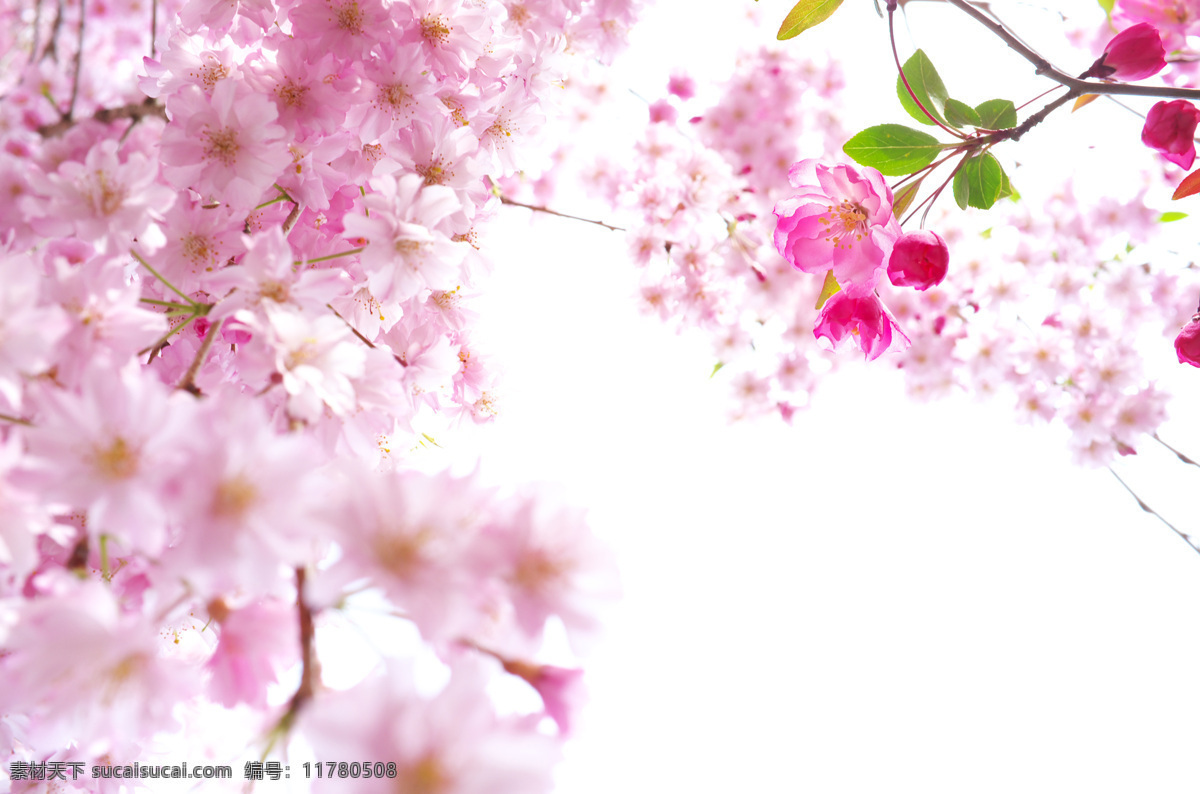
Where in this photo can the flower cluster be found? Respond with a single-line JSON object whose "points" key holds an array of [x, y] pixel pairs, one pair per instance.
{"points": [[233, 302]]}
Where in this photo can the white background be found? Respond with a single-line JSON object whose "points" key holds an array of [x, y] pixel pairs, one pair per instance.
{"points": [[884, 597]]}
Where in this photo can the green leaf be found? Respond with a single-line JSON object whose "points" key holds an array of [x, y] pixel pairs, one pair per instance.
{"points": [[997, 114], [928, 87], [1167, 217], [806, 14], [894, 149], [829, 288], [959, 114], [904, 197], [716, 368], [978, 182], [1107, 5]]}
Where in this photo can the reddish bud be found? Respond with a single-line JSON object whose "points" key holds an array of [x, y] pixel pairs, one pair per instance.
{"points": [[1187, 344], [919, 259], [1134, 54], [1169, 129]]}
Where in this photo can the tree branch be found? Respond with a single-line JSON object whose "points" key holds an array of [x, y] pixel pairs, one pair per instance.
{"points": [[1076, 85], [134, 110]]}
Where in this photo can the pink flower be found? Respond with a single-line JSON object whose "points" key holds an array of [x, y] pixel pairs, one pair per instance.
{"points": [[228, 147], [1187, 344], [682, 86], [919, 259], [663, 111], [864, 317], [256, 643], [841, 220], [1134, 54], [1170, 127]]}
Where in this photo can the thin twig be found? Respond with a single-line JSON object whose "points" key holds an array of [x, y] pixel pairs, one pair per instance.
{"points": [[78, 63], [16, 420], [1176, 452], [1186, 538], [353, 330], [188, 383], [153, 27], [535, 208]]}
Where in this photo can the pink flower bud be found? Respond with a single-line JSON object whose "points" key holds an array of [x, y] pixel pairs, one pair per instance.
{"points": [[1170, 127], [1134, 54], [919, 259], [1187, 344]]}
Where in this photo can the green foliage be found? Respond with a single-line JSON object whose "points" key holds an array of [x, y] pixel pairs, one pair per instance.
{"points": [[997, 114], [806, 14], [1167, 217], [904, 197], [979, 182], [926, 85], [960, 114], [894, 149]]}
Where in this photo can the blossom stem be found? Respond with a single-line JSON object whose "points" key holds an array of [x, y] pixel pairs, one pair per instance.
{"points": [[1079, 87], [904, 77], [171, 304], [548, 211], [104, 574], [327, 257], [159, 276], [16, 420], [1147, 508], [1039, 96], [188, 382]]}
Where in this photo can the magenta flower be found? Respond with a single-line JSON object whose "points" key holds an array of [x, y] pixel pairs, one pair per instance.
{"points": [[863, 317], [1187, 344], [919, 259], [1133, 54], [840, 220], [1170, 127]]}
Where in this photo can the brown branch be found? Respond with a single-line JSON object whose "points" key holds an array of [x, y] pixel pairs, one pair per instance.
{"points": [[1076, 85], [535, 208], [78, 62], [188, 383], [310, 672], [134, 110]]}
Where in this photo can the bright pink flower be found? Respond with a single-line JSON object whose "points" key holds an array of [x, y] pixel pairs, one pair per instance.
{"points": [[841, 219], [919, 259], [863, 317], [1170, 127], [1134, 54], [1187, 344]]}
